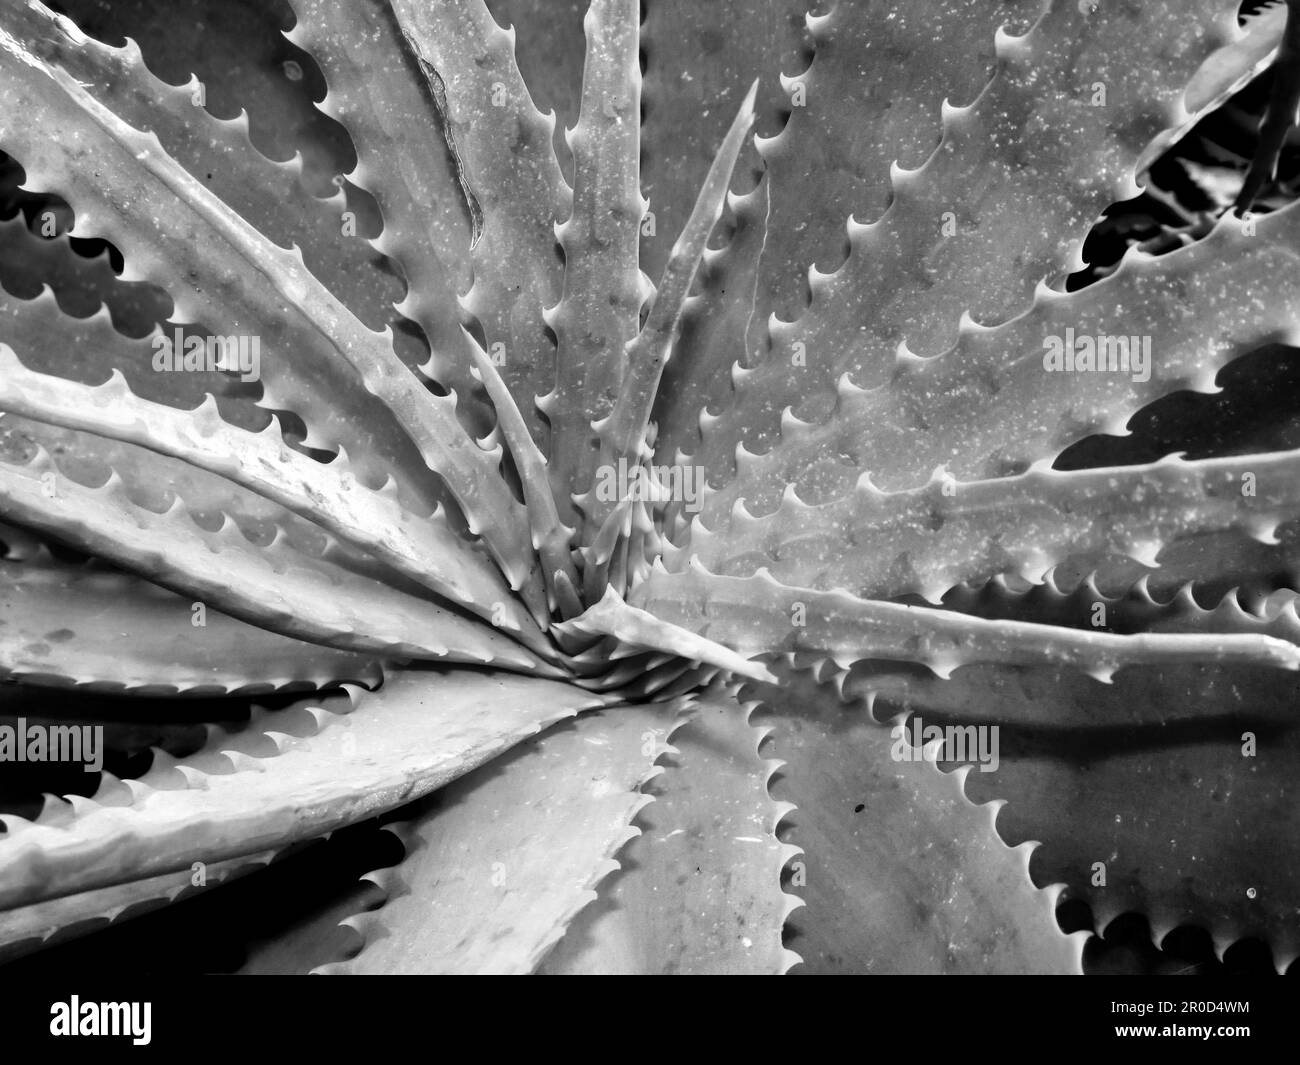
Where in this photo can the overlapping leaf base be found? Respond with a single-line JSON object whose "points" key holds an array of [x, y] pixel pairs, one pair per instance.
{"points": [[656, 511]]}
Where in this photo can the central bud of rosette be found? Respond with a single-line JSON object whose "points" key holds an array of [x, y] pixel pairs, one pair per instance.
{"points": [[614, 646]]}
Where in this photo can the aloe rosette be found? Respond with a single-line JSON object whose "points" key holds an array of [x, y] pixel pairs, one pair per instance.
{"points": [[707, 439]]}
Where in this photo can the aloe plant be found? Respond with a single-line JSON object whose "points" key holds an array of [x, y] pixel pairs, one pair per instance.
{"points": [[723, 427]]}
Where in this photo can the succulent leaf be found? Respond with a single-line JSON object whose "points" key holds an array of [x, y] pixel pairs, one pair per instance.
{"points": [[603, 285], [1139, 796], [379, 90], [550, 46], [699, 61], [66, 624], [150, 208], [505, 859], [329, 495], [292, 775], [268, 193], [1016, 406], [841, 142], [752, 615], [512, 181], [1015, 181], [949, 898], [160, 215], [275, 585], [950, 531], [699, 890], [623, 434], [55, 920]]}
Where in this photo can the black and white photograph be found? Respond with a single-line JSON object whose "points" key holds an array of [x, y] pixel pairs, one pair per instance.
{"points": [[650, 487]]}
